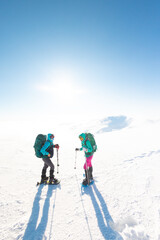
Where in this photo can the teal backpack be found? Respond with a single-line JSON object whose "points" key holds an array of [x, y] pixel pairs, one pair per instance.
{"points": [[39, 142], [90, 137]]}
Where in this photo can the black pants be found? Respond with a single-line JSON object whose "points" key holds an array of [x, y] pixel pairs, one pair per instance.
{"points": [[47, 163]]}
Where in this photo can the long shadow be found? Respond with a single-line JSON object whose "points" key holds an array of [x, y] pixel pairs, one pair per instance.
{"points": [[31, 227], [52, 216], [31, 231], [85, 214], [103, 216]]}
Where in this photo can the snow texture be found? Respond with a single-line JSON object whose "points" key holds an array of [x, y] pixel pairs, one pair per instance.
{"points": [[123, 203]]}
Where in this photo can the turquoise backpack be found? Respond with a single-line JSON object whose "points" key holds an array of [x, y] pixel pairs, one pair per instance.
{"points": [[90, 137], [39, 142]]}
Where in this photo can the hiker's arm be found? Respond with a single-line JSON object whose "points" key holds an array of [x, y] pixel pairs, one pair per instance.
{"points": [[89, 146], [43, 149]]}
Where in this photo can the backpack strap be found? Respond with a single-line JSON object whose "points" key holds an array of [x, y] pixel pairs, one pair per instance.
{"points": [[86, 139]]}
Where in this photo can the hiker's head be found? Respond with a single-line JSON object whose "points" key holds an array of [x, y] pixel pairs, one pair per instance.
{"points": [[50, 136], [82, 137]]}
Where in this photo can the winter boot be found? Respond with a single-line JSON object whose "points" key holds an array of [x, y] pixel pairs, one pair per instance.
{"points": [[52, 178], [43, 176], [85, 181], [90, 173]]}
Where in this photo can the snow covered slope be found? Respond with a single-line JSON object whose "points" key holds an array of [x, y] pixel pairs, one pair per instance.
{"points": [[123, 202]]}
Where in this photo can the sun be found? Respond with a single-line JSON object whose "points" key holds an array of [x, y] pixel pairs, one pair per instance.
{"points": [[64, 87], [65, 90]]}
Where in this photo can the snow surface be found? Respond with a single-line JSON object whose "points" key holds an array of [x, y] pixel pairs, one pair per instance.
{"points": [[123, 202]]}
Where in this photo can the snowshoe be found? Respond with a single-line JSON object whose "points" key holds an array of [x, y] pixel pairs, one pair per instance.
{"points": [[43, 181], [49, 182], [53, 181], [85, 182]]}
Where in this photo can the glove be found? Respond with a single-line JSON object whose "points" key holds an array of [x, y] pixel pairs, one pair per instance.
{"points": [[56, 146], [77, 149]]}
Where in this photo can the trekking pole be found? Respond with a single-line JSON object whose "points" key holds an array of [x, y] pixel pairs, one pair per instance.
{"points": [[75, 159], [57, 162]]}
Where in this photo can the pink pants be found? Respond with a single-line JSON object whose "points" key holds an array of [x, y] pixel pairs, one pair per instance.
{"points": [[88, 161]]}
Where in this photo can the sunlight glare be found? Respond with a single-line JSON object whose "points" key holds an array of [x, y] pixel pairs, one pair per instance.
{"points": [[63, 87]]}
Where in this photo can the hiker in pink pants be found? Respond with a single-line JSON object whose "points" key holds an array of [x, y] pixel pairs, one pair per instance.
{"points": [[89, 149]]}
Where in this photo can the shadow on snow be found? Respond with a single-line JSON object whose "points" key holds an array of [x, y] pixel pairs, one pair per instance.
{"points": [[103, 217], [37, 232]]}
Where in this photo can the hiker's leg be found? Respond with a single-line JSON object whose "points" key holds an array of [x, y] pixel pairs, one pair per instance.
{"points": [[88, 162], [47, 163]]}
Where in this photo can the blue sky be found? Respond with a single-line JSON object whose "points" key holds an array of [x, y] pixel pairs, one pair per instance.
{"points": [[79, 57]]}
